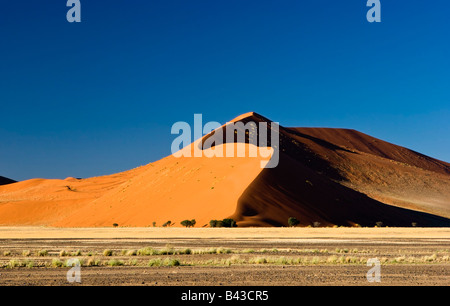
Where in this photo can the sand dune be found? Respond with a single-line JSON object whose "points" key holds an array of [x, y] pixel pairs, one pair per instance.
{"points": [[325, 175], [5, 180]]}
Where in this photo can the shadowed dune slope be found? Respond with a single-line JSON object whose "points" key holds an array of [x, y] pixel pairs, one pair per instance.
{"points": [[386, 172], [325, 175], [294, 190], [6, 181]]}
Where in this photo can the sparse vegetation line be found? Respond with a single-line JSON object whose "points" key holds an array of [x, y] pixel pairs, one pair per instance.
{"points": [[171, 257]]}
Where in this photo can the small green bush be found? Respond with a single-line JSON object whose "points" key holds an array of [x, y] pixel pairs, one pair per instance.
{"points": [[154, 262], [147, 251], [92, 262], [115, 263], [229, 223], [188, 223], [215, 223], [42, 253], [223, 223], [171, 262], [57, 263], [292, 221]]}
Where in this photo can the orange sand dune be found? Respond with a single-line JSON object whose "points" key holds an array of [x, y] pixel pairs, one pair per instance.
{"points": [[172, 189], [330, 176]]}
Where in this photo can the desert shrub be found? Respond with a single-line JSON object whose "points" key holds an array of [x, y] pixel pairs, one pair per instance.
{"points": [[154, 262], [42, 253], [6, 253], [332, 259], [223, 251], [147, 251], [292, 221], [170, 262], [107, 252], [216, 223], [26, 253], [29, 263], [115, 263], [168, 250], [133, 262], [115, 225], [315, 260], [316, 224], [281, 261], [229, 223], [379, 224], [57, 263], [186, 251], [188, 223], [13, 263], [92, 262], [235, 259], [258, 260], [168, 223], [430, 258], [223, 223]]}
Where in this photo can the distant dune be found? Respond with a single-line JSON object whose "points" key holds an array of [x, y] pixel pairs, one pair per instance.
{"points": [[325, 177], [6, 181]]}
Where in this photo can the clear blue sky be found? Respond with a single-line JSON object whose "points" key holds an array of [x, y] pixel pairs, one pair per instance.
{"points": [[100, 96]]}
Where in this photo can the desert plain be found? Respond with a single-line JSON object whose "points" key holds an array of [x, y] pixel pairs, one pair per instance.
{"points": [[224, 256]]}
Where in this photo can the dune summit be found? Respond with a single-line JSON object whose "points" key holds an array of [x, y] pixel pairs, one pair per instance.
{"points": [[325, 177]]}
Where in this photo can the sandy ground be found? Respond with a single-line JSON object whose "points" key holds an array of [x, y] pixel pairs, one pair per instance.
{"points": [[319, 243], [345, 275], [221, 233]]}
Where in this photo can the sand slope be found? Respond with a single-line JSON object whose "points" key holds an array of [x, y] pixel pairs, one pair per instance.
{"points": [[331, 176]]}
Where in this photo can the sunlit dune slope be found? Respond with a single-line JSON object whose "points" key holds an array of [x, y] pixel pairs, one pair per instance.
{"points": [[172, 189]]}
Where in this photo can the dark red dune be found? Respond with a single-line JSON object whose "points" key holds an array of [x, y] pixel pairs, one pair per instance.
{"points": [[6, 181]]}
